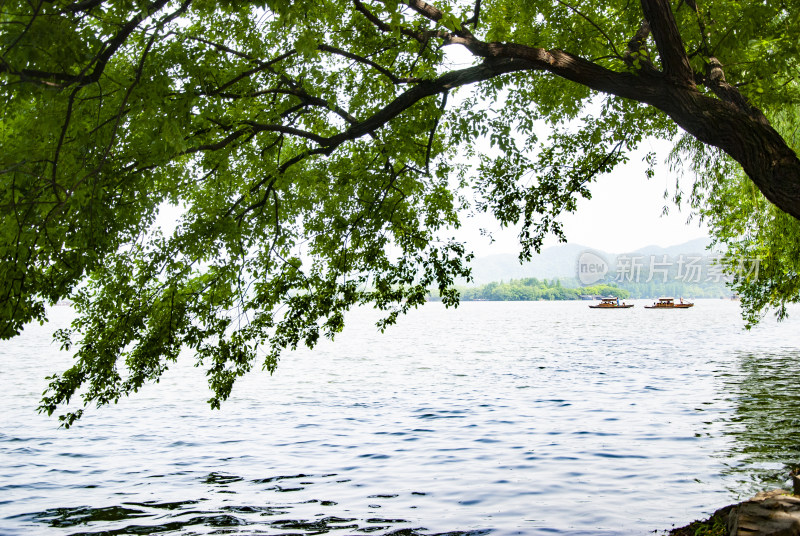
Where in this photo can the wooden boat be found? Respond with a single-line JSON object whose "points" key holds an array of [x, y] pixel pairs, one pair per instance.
{"points": [[611, 303], [669, 303]]}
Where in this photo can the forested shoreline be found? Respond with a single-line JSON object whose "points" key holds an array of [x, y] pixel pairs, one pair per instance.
{"points": [[533, 289]]}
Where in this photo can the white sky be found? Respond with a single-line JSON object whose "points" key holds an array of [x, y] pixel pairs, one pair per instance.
{"points": [[624, 214]]}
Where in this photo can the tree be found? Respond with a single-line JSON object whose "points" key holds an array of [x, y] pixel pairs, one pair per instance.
{"points": [[312, 147], [760, 241]]}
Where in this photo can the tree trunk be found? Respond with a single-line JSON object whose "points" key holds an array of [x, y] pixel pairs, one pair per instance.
{"points": [[747, 138]]}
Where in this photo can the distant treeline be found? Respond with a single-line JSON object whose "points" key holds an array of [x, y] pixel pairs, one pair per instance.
{"points": [[531, 288]]}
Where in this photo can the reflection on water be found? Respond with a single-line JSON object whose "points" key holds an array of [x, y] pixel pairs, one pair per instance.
{"points": [[152, 517], [496, 418], [764, 393]]}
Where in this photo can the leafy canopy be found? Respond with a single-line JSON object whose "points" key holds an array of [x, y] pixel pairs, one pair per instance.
{"points": [[760, 241], [317, 151]]}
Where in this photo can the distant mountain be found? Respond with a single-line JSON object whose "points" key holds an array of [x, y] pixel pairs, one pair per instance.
{"points": [[556, 261], [561, 261], [697, 246]]}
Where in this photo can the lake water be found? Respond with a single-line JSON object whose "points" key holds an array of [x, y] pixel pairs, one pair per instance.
{"points": [[495, 418]]}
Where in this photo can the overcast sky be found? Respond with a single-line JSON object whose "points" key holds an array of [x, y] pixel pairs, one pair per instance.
{"points": [[624, 214]]}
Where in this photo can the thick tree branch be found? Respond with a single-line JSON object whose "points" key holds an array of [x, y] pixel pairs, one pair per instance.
{"points": [[674, 60], [748, 138], [485, 71], [425, 9], [715, 81], [565, 65], [743, 133], [727, 122], [406, 100]]}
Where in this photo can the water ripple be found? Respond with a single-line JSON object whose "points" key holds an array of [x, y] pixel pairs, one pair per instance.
{"points": [[496, 418]]}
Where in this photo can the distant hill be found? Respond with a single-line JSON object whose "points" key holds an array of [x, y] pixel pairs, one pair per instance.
{"points": [[696, 246], [561, 261], [553, 262]]}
